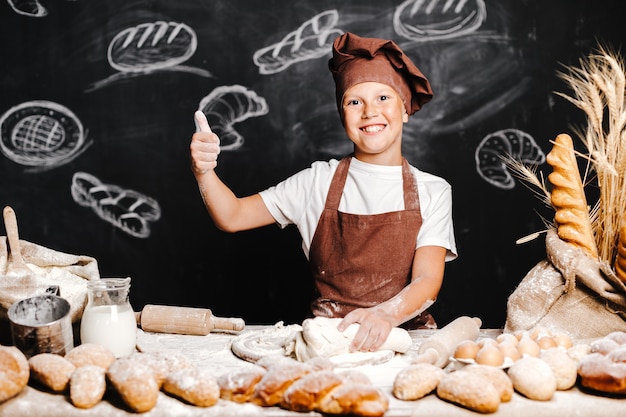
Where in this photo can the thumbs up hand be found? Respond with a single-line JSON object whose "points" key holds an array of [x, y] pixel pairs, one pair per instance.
{"points": [[205, 146]]}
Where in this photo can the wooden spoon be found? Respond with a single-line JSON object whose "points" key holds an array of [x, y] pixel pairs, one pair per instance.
{"points": [[18, 265]]}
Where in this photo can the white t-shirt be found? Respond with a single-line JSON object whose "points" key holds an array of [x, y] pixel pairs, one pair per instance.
{"points": [[369, 189]]}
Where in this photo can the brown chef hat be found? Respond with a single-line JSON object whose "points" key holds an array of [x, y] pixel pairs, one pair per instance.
{"points": [[356, 60]]}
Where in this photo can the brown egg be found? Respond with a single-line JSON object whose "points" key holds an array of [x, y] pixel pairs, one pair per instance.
{"points": [[487, 341], [563, 340], [546, 342], [467, 349], [489, 355], [509, 350], [528, 346], [507, 337]]}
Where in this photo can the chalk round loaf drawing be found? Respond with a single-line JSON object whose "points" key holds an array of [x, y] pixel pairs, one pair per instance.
{"points": [[40, 133], [151, 46]]}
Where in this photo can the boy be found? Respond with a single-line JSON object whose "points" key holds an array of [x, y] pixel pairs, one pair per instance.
{"points": [[376, 231]]}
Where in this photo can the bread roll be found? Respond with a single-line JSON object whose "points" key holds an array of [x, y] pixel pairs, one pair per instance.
{"points": [[87, 385], [135, 382], [604, 368], [14, 372], [565, 368], [51, 370], [161, 363], [90, 354], [355, 399], [469, 390], [195, 386], [270, 389], [238, 386], [305, 394], [568, 197], [533, 378], [416, 381], [498, 378]]}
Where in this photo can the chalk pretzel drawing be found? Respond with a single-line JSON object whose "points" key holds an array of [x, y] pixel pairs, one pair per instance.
{"points": [[126, 209], [227, 105], [492, 151], [313, 39], [426, 20], [40, 133]]}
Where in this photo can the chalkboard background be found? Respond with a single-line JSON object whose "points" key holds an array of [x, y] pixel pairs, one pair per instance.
{"points": [[492, 74]]}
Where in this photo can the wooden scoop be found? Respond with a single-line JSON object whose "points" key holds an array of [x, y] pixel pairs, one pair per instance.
{"points": [[18, 265]]}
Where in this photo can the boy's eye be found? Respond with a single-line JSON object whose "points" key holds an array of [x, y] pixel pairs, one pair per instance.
{"points": [[383, 98], [352, 102]]}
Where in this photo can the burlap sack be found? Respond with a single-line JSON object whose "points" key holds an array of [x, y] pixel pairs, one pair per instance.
{"points": [[568, 292], [48, 267]]}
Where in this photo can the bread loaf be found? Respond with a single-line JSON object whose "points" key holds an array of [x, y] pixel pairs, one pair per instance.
{"points": [[14, 372], [568, 197], [416, 381], [90, 354], [469, 390], [355, 399], [604, 368], [238, 386], [135, 382], [195, 386], [533, 378], [306, 393], [270, 389]]}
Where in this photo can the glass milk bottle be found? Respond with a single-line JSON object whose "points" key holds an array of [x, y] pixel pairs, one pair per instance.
{"points": [[109, 319]]}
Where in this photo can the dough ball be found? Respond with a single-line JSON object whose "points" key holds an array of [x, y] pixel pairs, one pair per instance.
{"points": [[14, 372]]}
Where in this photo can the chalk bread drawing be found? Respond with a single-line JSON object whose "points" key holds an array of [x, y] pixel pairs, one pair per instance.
{"points": [[30, 8], [149, 47], [227, 105], [313, 39], [504, 144], [41, 134], [426, 20], [127, 210]]}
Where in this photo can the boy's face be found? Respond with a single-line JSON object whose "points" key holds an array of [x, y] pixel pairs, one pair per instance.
{"points": [[373, 117]]}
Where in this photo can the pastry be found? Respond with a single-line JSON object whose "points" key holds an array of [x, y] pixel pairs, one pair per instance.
{"points": [[498, 378], [355, 399], [135, 382], [270, 389], [161, 363], [195, 386], [90, 354], [14, 372], [417, 381], [568, 197], [238, 386], [51, 370], [305, 394], [469, 390], [565, 368], [604, 369], [87, 385]]}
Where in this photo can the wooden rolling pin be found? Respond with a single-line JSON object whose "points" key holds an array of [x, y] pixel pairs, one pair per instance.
{"points": [[184, 320], [438, 348]]}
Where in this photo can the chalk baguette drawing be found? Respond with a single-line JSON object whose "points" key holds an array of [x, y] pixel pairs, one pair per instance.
{"points": [[127, 210], [427, 20], [41, 134], [492, 151], [150, 47], [227, 105], [313, 39]]}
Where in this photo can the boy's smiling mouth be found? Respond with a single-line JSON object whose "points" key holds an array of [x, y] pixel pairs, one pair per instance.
{"points": [[373, 128]]}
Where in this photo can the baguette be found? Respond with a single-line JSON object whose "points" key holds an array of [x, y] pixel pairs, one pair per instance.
{"points": [[568, 197]]}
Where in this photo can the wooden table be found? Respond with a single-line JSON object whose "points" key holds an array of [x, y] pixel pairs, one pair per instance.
{"points": [[213, 351]]}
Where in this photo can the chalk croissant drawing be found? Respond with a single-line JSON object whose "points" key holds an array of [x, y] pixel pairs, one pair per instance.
{"points": [[227, 105], [426, 20], [496, 147], [30, 8], [313, 39], [150, 47], [41, 134], [127, 210]]}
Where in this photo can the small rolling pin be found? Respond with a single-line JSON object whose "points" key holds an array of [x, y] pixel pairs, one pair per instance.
{"points": [[438, 348], [184, 320]]}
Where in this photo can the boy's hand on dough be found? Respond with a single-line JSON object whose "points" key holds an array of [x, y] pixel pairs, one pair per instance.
{"points": [[205, 146], [373, 329]]}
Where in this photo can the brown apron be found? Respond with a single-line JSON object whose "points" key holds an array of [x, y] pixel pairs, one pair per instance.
{"points": [[359, 261]]}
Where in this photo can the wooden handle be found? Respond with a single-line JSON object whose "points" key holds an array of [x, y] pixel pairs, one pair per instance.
{"points": [[228, 323], [10, 224]]}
